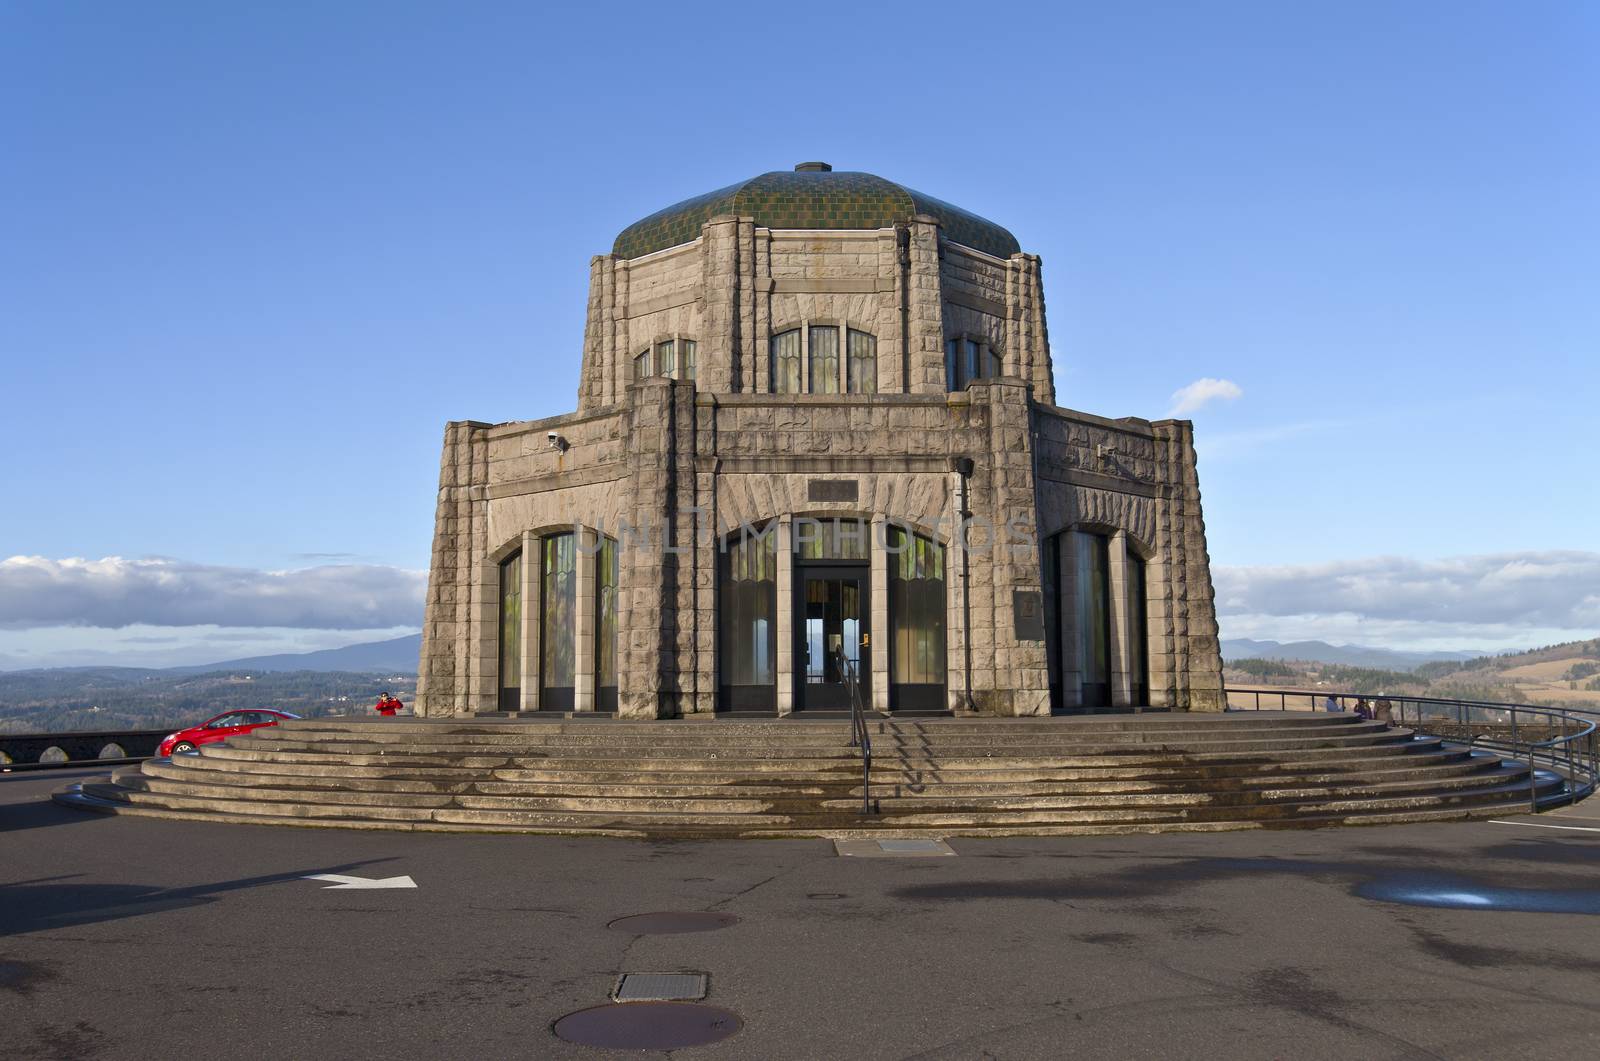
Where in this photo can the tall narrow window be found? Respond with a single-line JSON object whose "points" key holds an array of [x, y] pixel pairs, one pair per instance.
{"points": [[966, 360], [686, 359], [605, 625], [667, 359], [1138, 630], [824, 360], [916, 622], [863, 353], [641, 366], [786, 362], [558, 620], [511, 633], [1092, 581], [1050, 580], [747, 621]]}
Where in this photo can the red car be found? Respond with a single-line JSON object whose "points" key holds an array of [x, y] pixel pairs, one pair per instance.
{"points": [[220, 728]]}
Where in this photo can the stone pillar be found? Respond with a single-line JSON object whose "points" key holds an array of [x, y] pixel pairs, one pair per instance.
{"points": [[1010, 674], [532, 598], [722, 268], [1190, 619], [586, 543], [892, 266], [484, 665], [1067, 622], [442, 666], [649, 625], [594, 381], [785, 616], [1121, 627], [757, 379], [1027, 339], [958, 582], [925, 310], [617, 330], [702, 613], [878, 613]]}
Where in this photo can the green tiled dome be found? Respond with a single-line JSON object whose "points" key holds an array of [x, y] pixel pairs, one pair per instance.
{"points": [[812, 197]]}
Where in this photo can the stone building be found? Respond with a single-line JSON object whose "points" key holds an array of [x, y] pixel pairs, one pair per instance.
{"points": [[816, 434]]}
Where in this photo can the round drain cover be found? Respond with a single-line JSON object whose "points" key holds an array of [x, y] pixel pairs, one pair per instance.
{"points": [[669, 921], [648, 1025]]}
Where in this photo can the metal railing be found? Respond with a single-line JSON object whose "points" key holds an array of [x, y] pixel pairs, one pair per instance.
{"points": [[859, 737], [1563, 739]]}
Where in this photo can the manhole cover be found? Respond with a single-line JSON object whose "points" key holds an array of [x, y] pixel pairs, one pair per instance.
{"points": [[648, 1025], [660, 987], [670, 921]]}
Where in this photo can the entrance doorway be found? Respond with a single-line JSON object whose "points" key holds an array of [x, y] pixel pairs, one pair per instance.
{"points": [[831, 622]]}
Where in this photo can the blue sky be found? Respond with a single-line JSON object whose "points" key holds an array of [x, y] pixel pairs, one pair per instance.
{"points": [[254, 257]]}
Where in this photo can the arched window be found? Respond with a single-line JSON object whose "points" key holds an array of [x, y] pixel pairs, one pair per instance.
{"points": [[916, 622], [747, 628], [558, 622], [786, 377], [510, 669], [863, 363], [966, 360], [605, 626]]}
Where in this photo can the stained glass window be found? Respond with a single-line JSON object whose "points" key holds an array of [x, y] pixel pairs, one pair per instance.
{"points": [[1092, 579], [605, 624], [511, 632], [824, 360], [747, 619], [786, 362], [557, 631], [863, 352], [1138, 630], [832, 539], [916, 620]]}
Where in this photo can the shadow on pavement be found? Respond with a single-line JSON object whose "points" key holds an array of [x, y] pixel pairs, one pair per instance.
{"points": [[43, 905]]}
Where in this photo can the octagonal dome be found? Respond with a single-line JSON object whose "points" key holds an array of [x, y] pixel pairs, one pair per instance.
{"points": [[812, 196]]}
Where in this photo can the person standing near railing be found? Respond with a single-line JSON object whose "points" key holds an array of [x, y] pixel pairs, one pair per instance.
{"points": [[1383, 711], [1331, 704]]}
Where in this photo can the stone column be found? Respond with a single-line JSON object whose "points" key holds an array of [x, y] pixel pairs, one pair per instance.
{"points": [[647, 634], [442, 666], [617, 330], [484, 668], [878, 613], [1121, 627], [892, 261], [1067, 622], [958, 609], [1191, 619], [532, 590], [785, 617], [586, 543]]}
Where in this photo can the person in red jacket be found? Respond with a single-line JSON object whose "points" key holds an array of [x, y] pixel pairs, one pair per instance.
{"points": [[387, 705]]}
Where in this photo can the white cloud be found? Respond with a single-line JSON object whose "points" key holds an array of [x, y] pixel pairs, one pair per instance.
{"points": [[114, 592], [1497, 601], [1201, 393]]}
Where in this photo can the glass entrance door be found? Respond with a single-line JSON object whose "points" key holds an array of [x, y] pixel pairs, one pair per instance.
{"points": [[832, 631]]}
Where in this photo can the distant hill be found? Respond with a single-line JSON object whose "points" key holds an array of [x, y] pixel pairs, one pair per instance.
{"points": [[399, 655], [1348, 655]]}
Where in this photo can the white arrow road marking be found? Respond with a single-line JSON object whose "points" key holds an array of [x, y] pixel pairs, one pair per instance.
{"points": [[341, 881], [1541, 825]]}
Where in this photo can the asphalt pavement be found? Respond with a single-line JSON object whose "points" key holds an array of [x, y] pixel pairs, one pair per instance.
{"points": [[136, 938]]}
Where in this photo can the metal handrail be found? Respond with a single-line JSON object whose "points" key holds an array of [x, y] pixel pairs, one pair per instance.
{"points": [[1573, 754], [859, 737]]}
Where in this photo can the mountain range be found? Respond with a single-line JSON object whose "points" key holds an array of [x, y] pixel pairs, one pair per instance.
{"points": [[1348, 655]]}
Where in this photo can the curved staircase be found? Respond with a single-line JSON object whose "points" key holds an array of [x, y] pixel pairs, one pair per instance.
{"points": [[1105, 774]]}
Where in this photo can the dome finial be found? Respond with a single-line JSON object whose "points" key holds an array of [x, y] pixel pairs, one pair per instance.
{"points": [[813, 167]]}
